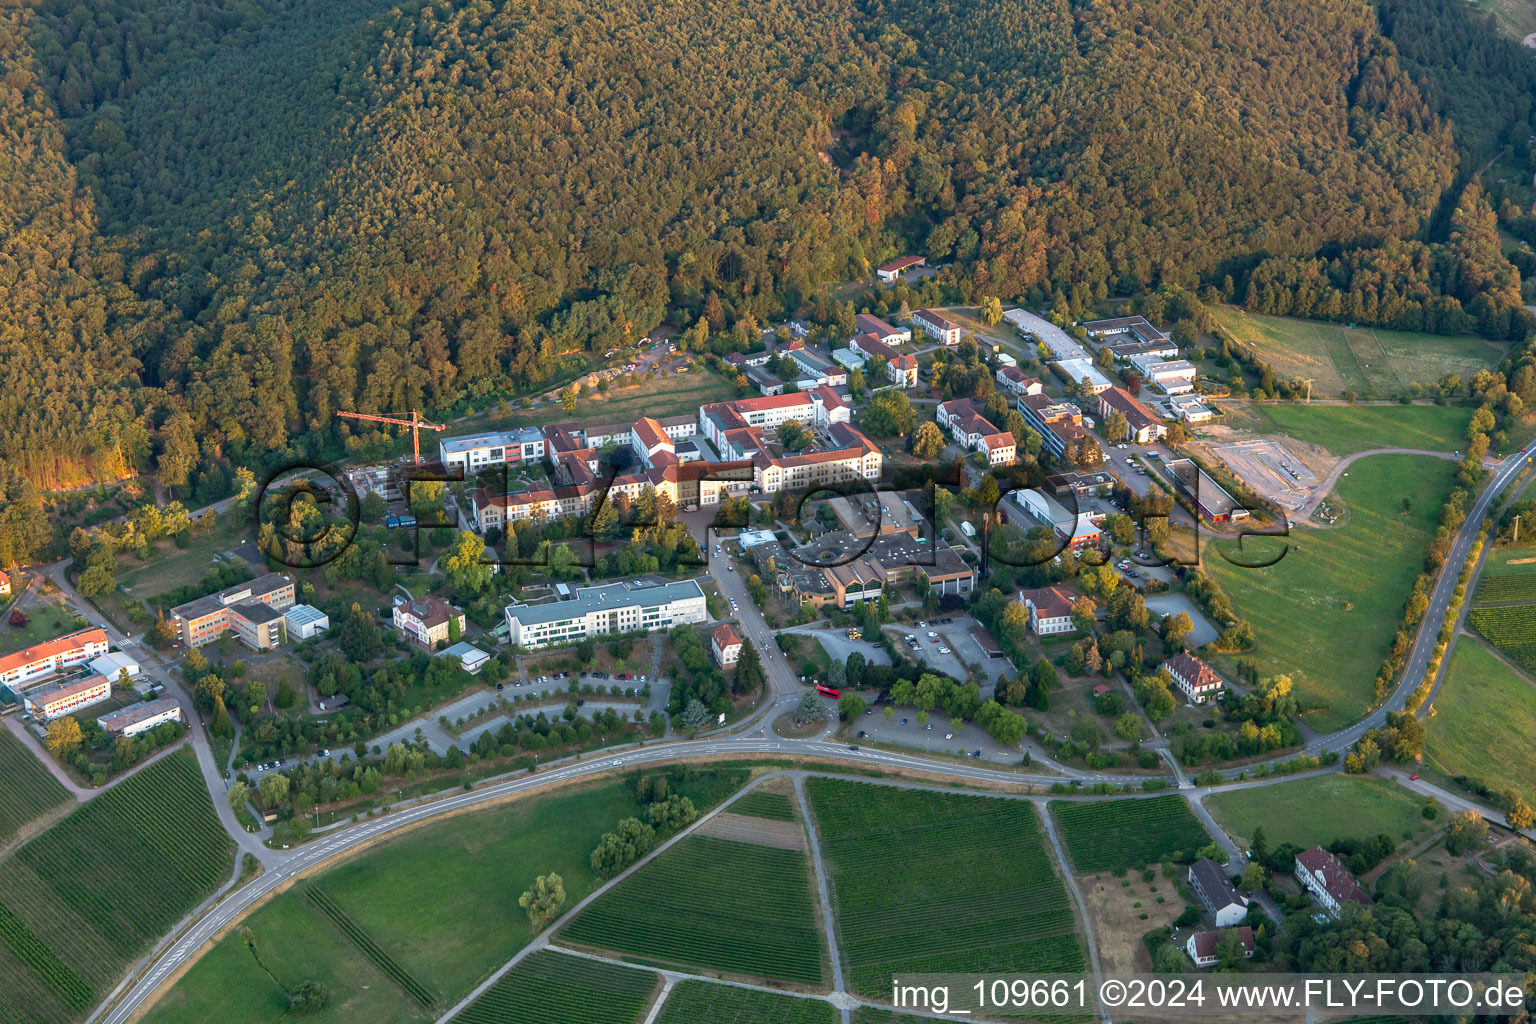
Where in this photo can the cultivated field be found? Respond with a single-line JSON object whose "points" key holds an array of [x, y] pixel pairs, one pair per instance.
{"points": [[1345, 429], [556, 988], [1316, 811], [1509, 577], [734, 907], [1367, 361], [1485, 716], [699, 1002], [918, 884], [1326, 612], [30, 790], [1128, 833], [81, 901], [1510, 628], [762, 804]]}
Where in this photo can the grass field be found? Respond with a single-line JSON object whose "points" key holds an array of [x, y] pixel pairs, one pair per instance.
{"points": [[556, 988], [1326, 612], [761, 804], [46, 622], [727, 906], [88, 896], [699, 1002], [30, 790], [1316, 811], [919, 885], [1127, 833], [1485, 715], [1368, 361], [170, 567], [663, 395], [1346, 429]]}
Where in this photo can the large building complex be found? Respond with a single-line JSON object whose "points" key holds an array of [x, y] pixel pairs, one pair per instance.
{"points": [[46, 659], [1059, 424], [861, 568], [603, 610], [242, 608], [900, 368], [937, 326], [477, 451], [976, 433]]}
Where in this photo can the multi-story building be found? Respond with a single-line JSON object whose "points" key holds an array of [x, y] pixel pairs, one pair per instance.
{"points": [[976, 433], [1176, 376], [1050, 610], [5, 584], [900, 368], [204, 620], [937, 326], [52, 656], [603, 610], [856, 457], [725, 645], [864, 569], [1145, 427], [1194, 678], [1214, 889], [426, 621], [474, 452], [1330, 882], [1059, 424], [54, 700], [131, 721], [1190, 408], [1017, 382], [259, 626], [868, 323], [1201, 946]]}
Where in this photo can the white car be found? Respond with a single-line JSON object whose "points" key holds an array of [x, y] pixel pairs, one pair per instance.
{"points": [[943, 650], [932, 633], [949, 735]]}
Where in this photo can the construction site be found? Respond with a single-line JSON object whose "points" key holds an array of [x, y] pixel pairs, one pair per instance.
{"points": [[1271, 471]]}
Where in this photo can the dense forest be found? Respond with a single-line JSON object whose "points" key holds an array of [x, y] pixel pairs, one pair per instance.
{"points": [[222, 221]]}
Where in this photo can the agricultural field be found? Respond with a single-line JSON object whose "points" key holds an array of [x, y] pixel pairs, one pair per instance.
{"points": [[1368, 361], [1326, 612], [944, 900], [1466, 739], [1106, 836], [734, 907], [1510, 628], [1347, 429], [30, 790], [762, 804], [82, 900], [1316, 811], [1508, 577], [700, 1002], [557, 988]]}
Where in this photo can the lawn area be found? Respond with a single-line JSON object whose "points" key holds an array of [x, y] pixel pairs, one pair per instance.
{"points": [[169, 567], [46, 621], [699, 1002], [1105, 836], [283, 944], [556, 988], [1316, 811], [758, 919], [663, 395], [919, 886], [1346, 429], [1368, 361], [1326, 612], [1485, 715], [30, 790]]}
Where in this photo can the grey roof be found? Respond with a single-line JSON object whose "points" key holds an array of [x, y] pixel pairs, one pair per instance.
{"points": [[249, 590], [1213, 882], [304, 614], [125, 717], [464, 652], [612, 595], [501, 438], [256, 611]]}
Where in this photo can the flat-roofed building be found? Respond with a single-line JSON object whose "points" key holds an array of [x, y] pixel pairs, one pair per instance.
{"points": [[45, 659], [54, 700], [1190, 408], [204, 620], [259, 626], [1084, 374], [604, 610], [473, 452], [1175, 376], [131, 721], [1059, 424], [305, 621]]}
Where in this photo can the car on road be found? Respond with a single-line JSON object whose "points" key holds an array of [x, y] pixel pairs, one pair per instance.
{"points": [[949, 735], [943, 650], [932, 633], [853, 748]]}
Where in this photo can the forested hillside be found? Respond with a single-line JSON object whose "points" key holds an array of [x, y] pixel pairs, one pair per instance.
{"points": [[222, 221]]}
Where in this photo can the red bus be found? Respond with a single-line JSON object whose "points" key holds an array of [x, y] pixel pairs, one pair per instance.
{"points": [[827, 691]]}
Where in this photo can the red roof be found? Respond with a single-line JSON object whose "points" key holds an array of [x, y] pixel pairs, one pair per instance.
{"points": [[1049, 602], [1193, 671], [650, 433], [52, 648], [725, 636], [1205, 942], [1336, 879], [903, 263]]}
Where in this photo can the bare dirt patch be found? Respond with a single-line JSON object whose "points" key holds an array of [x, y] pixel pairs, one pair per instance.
{"points": [[782, 835], [1117, 906]]}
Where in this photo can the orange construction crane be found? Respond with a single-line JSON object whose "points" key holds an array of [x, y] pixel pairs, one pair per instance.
{"points": [[416, 423]]}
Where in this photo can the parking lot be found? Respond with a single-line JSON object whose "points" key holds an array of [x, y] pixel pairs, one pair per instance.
{"points": [[934, 738], [1172, 604], [952, 634]]}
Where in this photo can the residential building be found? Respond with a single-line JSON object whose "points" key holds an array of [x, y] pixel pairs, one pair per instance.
{"points": [[5, 584], [131, 721], [305, 621], [937, 326], [900, 368], [471, 658], [725, 645], [1194, 678], [1209, 497], [889, 272], [113, 664], [426, 620], [1059, 424], [976, 433], [1050, 610], [603, 610], [474, 452], [868, 323], [1201, 946], [1084, 374], [1329, 882], [52, 656], [204, 620], [1190, 408], [1145, 426], [1221, 900], [54, 700], [1017, 382]]}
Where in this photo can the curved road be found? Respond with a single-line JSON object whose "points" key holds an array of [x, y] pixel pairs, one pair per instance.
{"points": [[751, 736]]}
